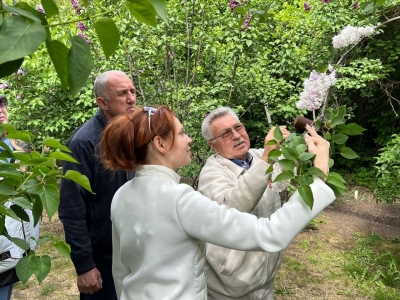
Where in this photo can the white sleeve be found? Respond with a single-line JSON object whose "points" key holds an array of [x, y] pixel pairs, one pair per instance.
{"points": [[118, 269], [205, 220]]}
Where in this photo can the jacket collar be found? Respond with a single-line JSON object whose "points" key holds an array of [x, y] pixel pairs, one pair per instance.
{"points": [[157, 171], [100, 117]]}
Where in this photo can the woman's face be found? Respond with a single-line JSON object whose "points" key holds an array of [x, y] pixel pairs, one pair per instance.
{"points": [[180, 154]]}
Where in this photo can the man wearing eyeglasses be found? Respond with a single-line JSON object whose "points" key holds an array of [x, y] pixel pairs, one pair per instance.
{"points": [[235, 177], [86, 216]]}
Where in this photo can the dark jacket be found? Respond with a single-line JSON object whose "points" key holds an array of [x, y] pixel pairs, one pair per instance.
{"points": [[86, 216]]}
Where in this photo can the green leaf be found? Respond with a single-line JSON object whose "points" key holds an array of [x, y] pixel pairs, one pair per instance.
{"points": [[341, 111], [108, 35], [10, 67], [42, 267], [278, 133], [307, 195], [290, 153], [269, 170], [19, 38], [144, 11], [24, 268], [21, 12], [337, 121], [348, 153], [240, 10], [305, 179], [7, 189], [301, 148], [331, 163], [50, 7], [79, 64], [161, 9], [350, 129], [22, 202], [37, 209], [2, 225], [24, 245], [336, 180], [306, 156], [20, 212], [7, 171], [316, 172], [274, 154], [78, 178], [271, 143], [338, 191], [53, 143], [30, 9], [63, 248], [285, 175], [49, 194], [63, 156], [340, 138], [59, 56], [286, 164]]}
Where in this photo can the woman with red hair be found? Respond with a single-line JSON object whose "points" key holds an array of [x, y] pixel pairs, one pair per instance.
{"points": [[160, 225]]}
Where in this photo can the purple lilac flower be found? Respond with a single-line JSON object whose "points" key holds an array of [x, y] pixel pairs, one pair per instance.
{"points": [[87, 40], [76, 6], [81, 26], [356, 5], [40, 9], [21, 72], [246, 22], [326, 1], [306, 6], [4, 85], [233, 4], [18, 97]]}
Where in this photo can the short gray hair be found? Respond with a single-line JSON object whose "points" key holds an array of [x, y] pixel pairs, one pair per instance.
{"points": [[101, 83], [212, 116]]}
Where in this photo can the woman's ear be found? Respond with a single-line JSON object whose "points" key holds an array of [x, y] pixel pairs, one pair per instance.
{"points": [[160, 144]]}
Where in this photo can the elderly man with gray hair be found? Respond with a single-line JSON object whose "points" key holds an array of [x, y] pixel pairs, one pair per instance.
{"points": [[235, 177]]}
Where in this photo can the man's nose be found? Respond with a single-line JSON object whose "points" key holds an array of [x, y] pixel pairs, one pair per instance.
{"points": [[235, 134], [131, 97]]}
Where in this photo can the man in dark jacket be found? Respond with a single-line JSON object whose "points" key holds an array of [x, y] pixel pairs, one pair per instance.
{"points": [[86, 216]]}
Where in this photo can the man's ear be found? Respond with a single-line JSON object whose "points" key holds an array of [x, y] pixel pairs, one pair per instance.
{"points": [[102, 103], [211, 144]]}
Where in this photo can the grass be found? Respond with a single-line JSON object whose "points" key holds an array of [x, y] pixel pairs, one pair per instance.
{"points": [[313, 268]]}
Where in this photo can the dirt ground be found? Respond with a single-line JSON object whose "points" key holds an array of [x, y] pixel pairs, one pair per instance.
{"points": [[345, 217]]}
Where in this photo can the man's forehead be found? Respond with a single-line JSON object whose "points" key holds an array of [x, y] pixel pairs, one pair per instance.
{"points": [[226, 121]]}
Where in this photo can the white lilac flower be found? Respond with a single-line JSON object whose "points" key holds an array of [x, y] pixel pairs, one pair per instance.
{"points": [[316, 88], [350, 35], [40, 9], [282, 185]]}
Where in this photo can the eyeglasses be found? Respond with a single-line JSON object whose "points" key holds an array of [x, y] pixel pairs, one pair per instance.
{"points": [[150, 111], [228, 133]]}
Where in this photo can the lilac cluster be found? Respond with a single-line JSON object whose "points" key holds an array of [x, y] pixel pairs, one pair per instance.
{"points": [[18, 97], [351, 35], [326, 1], [21, 72], [356, 5], [233, 4], [87, 40], [81, 26], [246, 22], [40, 9], [306, 6], [4, 85], [316, 88], [76, 6]]}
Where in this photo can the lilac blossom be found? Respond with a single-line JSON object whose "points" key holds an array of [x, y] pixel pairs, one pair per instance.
{"points": [[87, 40], [233, 4], [40, 9], [246, 22], [81, 26], [76, 6], [4, 85], [18, 97], [326, 1], [351, 35], [356, 5], [316, 88], [306, 6]]}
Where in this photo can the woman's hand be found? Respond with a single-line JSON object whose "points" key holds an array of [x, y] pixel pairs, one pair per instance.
{"points": [[320, 147]]}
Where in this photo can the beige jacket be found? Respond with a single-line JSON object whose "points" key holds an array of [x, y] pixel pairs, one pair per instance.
{"points": [[234, 273]]}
